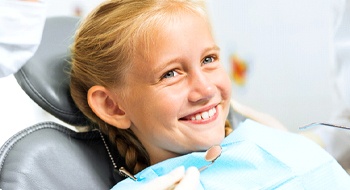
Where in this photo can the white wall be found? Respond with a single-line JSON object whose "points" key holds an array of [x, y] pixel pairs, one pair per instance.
{"points": [[68, 7], [288, 49]]}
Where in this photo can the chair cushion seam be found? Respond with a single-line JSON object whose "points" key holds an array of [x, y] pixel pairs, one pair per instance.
{"points": [[10, 143]]}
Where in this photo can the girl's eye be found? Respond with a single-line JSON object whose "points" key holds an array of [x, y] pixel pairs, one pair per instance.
{"points": [[208, 59], [170, 74]]}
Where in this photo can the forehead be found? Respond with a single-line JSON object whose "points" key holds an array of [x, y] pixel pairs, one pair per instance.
{"points": [[181, 40], [169, 30]]}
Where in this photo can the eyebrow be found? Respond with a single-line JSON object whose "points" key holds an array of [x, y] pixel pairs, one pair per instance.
{"points": [[215, 47], [162, 66]]}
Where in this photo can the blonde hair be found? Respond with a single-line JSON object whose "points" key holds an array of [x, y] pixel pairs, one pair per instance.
{"points": [[103, 51]]}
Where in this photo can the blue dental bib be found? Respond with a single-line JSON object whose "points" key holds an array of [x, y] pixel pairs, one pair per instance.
{"points": [[260, 158]]}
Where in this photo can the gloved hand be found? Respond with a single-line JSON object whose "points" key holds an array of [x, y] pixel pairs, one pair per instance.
{"points": [[177, 179]]}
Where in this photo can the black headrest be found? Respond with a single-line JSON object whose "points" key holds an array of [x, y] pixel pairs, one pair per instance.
{"points": [[45, 76]]}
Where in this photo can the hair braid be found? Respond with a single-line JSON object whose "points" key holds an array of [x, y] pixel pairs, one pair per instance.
{"points": [[129, 147], [228, 128]]}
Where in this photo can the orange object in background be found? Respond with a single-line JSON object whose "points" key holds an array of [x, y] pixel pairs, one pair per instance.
{"points": [[78, 11], [239, 68]]}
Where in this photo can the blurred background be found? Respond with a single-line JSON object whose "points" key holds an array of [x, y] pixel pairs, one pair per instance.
{"points": [[278, 54]]}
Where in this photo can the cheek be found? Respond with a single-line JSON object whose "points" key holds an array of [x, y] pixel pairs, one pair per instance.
{"points": [[152, 105], [228, 86], [224, 84], [136, 103], [167, 104]]}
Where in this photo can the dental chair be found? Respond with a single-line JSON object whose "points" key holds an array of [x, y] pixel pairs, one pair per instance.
{"points": [[50, 155]]}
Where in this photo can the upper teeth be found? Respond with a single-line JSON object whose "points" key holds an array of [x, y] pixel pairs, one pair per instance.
{"points": [[204, 115]]}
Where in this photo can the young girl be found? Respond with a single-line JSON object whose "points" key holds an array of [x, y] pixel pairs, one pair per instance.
{"points": [[149, 74]]}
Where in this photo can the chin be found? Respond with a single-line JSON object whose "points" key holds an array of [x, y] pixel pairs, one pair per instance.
{"points": [[214, 140]]}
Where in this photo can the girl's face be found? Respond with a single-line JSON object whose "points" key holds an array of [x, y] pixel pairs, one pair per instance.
{"points": [[178, 98]]}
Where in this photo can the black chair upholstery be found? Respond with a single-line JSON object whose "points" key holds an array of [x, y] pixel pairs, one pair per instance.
{"points": [[45, 77], [49, 155]]}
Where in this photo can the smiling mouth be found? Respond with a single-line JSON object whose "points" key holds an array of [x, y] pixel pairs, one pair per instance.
{"points": [[201, 116]]}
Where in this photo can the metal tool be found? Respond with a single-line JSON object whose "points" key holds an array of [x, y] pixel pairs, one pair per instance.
{"points": [[211, 155]]}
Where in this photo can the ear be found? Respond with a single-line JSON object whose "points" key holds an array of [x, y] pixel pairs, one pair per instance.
{"points": [[106, 107]]}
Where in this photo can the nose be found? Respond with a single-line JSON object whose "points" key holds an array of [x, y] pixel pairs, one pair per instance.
{"points": [[201, 87]]}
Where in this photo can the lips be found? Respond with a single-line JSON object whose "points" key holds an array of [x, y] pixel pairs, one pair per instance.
{"points": [[202, 115]]}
